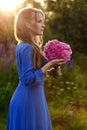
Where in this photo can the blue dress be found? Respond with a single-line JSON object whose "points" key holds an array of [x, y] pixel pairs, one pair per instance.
{"points": [[28, 107]]}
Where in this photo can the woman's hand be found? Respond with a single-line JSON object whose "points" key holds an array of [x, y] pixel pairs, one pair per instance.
{"points": [[52, 63], [54, 71]]}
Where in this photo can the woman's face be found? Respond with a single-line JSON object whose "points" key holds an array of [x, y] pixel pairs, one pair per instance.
{"points": [[36, 25]]}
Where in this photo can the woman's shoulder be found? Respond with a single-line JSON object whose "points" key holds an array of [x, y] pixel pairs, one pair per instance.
{"points": [[24, 46]]}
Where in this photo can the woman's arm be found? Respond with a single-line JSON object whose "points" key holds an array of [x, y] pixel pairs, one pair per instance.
{"points": [[29, 76]]}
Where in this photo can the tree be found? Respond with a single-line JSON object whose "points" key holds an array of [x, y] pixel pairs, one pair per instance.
{"points": [[66, 20]]}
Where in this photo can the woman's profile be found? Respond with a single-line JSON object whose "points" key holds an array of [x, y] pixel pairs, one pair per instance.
{"points": [[28, 107]]}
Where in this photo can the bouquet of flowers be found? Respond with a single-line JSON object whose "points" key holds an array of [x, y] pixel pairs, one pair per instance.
{"points": [[55, 49]]}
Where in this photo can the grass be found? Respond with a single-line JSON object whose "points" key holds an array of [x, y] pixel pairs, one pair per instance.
{"points": [[3, 116], [63, 118]]}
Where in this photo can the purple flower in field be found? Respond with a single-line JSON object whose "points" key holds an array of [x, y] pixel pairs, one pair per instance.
{"points": [[2, 51], [70, 64], [12, 53], [7, 57], [71, 113], [55, 49], [6, 63], [12, 48]]}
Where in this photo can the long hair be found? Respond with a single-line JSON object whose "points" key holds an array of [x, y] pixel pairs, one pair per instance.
{"points": [[21, 32]]}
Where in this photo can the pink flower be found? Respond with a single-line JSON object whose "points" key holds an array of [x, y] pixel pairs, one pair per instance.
{"points": [[55, 49]]}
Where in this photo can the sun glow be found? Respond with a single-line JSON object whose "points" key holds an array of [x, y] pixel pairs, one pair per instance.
{"points": [[40, 1], [9, 5]]}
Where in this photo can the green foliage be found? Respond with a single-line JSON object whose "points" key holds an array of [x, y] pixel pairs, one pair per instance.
{"points": [[8, 82], [66, 96], [81, 60], [5, 96], [8, 76], [67, 99], [66, 21], [68, 118], [66, 88]]}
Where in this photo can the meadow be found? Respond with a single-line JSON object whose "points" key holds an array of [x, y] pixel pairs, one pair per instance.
{"points": [[66, 94]]}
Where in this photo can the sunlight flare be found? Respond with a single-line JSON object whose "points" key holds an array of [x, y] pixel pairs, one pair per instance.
{"points": [[9, 5]]}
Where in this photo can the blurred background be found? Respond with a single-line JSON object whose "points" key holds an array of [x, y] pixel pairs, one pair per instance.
{"points": [[66, 21]]}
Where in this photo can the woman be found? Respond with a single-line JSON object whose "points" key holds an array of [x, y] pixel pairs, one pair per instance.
{"points": [[28, 108]]}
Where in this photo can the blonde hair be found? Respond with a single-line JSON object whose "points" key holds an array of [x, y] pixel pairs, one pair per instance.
{"points": [[21, 32]]}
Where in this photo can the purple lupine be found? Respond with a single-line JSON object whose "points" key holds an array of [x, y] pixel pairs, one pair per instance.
{"points": [[2, 51], [71, 113], [6, 63], [12, 53], [7, 58], [70, 64]]}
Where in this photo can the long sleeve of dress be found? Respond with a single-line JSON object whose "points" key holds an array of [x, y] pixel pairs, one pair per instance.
{"points": [[29, 75]]}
